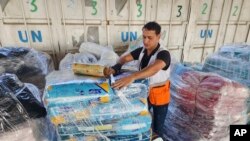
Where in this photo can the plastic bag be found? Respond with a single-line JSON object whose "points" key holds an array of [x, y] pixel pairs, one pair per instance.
{"points": [[11, 84], [69, 59], [104, 55], [29, 65]]}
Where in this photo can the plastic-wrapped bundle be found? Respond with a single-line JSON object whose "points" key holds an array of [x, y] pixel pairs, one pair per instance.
{"points": [[29, 65], [21, 132], [69, 59], [20, 110], [11, 84], [72, 87], [77, 96], [235, 51], [124, 126], [67, 76], [87, 107], [69, 88], [30, 130], [105, 55], [231, 61], [146, 136], [126, 73], [203, 105], [12, 112], [75, 111]]}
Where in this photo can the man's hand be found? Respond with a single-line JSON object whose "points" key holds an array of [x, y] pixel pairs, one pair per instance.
{"points": [[108, 71], [123, 82]]}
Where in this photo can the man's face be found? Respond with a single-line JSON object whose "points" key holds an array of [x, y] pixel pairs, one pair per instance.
{"points": [[150, 39]]}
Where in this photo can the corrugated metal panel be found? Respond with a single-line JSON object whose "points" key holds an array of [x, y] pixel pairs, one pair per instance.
{"points": [[37, 35], [237, 24], [126, 11], [173, 16], [22, 14], [80, 21], [28, 23], [79, 11], [1, 25], [203, 29], [236, 33], [32, 11], [1, 9], [173, 36], [120, 36], [76, 34], [248, 36], [169, 10]]}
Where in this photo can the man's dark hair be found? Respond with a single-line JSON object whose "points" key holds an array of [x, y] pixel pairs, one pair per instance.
{"points": [[153, 26]]}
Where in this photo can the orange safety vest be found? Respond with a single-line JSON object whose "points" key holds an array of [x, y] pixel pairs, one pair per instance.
{"points": [[160, 95]]}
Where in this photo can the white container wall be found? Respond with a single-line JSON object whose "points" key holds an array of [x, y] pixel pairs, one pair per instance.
{"points": [[79, 11], [214, 23], [36, 36], [191, 29], [237, 28], [203, 29], [127, 11], [32, 11], [81, 21], [169, 10], [120, 36], [28, 23], [174, 39], [173, 16], [76, 34]]}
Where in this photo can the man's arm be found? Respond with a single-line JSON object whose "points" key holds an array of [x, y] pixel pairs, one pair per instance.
{"points": [[144, 73], [116, 68], [126, 58]]}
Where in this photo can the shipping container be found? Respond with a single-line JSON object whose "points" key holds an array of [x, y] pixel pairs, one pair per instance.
{"points": [[191, 29]]}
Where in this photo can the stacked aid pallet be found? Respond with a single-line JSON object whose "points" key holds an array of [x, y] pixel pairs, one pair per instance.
{"points": [[231, 61], [86, 108], [203, 105]]}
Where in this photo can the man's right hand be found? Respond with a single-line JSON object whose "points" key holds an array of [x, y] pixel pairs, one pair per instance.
{"points": [[108, 71]]}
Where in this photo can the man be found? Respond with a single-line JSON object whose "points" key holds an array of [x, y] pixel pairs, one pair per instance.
{"points": [[154, 63]]}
